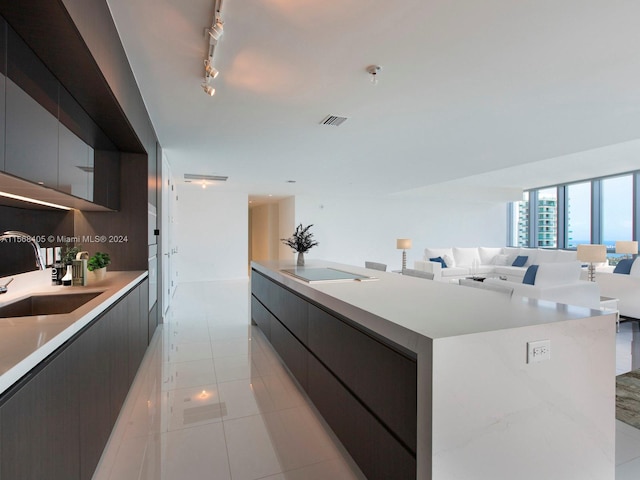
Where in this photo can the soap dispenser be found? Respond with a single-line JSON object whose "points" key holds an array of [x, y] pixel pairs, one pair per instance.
{"points": [[68, 277]]}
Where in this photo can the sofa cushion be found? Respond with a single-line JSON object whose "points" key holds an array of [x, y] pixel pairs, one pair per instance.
{"points": [[501, 260], [466, 256], [624, 266], [546, 256], [530, 275], [558, 273], [635, 268], [566, 256], [487, 254], [439, 260], [520, 261], [455, 272]]}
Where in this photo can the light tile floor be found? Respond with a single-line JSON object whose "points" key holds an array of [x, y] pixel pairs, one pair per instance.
{"points": [[213, 401]]}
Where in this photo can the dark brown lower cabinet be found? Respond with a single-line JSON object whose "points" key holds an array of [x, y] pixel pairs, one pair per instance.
{"points": [[364, 386], [54, 424], [40, 424]]}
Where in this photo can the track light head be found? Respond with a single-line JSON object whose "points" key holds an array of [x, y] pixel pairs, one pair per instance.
{"points": [[210, 70], [216, 30], [208, 89]]}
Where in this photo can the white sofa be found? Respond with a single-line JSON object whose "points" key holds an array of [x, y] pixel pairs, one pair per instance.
{"points": [[496, 261], [626, 288], [557, 282]]}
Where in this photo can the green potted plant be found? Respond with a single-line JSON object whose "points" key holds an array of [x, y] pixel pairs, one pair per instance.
{"points": [[97, 264], [302, 241]]}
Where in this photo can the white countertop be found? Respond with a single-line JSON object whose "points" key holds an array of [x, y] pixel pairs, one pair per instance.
{"points": [[406, 308], [26, 341]]}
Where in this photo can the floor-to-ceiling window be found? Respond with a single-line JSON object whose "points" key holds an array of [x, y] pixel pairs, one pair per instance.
{"points": [[520, 222], [547, 218], [601, 210], [578, 214]]}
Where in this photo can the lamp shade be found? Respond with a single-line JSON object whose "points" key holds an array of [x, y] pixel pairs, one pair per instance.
{"points": [[592, 253], [627, 247], [403, 243]]}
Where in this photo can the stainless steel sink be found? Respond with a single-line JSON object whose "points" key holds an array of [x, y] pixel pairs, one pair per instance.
{"points": [[47, 304]]}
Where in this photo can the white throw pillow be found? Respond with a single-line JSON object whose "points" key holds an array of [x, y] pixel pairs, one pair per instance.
{"points": [[502, 260], [635, 268], [466, 256], [487, 254], [558, 273], [448, 259]]}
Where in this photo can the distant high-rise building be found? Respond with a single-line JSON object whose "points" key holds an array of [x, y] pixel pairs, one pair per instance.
{"points": [[547, 227], [547, 223]]}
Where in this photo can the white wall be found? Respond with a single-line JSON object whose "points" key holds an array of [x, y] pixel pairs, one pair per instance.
{"points": [[352, 230], [211, 234]]}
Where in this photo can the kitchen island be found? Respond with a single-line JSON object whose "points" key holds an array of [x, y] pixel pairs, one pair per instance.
{"points": [[427, 380]]}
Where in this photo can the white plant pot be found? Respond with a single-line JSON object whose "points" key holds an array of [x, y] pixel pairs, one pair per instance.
{"points": [[98, 275]]}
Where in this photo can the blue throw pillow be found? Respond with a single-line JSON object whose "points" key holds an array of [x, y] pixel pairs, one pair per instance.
{"points": [[439, 260], [624, 266], [520, 261], [530, 275]]}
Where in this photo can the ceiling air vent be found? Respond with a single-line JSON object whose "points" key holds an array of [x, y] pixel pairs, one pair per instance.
{"points": [[333, 120], [190, 177]]}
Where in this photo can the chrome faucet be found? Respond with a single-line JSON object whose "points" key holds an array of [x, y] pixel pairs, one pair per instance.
{"points": [[31, 240]]}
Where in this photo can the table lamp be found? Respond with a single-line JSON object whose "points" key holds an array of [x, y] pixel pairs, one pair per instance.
{"points": [[403, 244], [592, 254], [627, 247]]}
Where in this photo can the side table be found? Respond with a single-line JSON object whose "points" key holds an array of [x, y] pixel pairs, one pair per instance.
{"points": [[610, 304]]}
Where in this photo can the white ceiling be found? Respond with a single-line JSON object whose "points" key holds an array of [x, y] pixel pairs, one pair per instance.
{"points": [[467, 87]]}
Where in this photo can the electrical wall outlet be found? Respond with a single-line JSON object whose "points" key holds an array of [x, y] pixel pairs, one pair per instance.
{"points": [[538, 351]]}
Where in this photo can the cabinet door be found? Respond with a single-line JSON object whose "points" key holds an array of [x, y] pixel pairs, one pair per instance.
{"points": [[118, 356], [75, 167], [137, 332], [383, 379], [40, 424], [374, 449], [3, 73], [94, 401], [290, 350], [261, 316], [31, 138]]}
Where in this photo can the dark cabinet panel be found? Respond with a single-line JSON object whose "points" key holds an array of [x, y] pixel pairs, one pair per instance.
{"points": [[373, 448], [94, 397], [106, 188], [28, 72], [75, 165], [380, 377], [289, 308], [40, 424], [290, 350], [119, 357], [31, 143], [144, 312], [136, 330], [3, 73], [261, 316]]}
